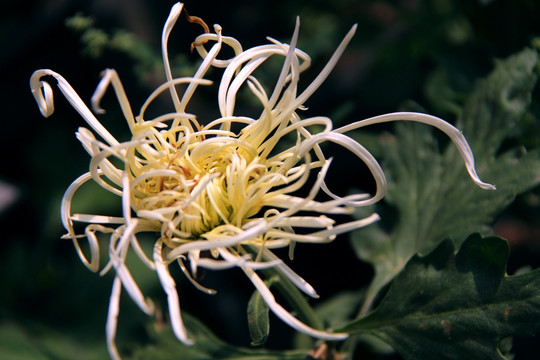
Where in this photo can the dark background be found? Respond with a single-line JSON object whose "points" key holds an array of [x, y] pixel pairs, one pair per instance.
{"points": [[46, 294]]}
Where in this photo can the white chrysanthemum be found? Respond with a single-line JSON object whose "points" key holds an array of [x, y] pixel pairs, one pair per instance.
{"points": [[212, 187]]}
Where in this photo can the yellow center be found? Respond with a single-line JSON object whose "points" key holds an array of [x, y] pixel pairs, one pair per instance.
{"points": [[199, 186]]}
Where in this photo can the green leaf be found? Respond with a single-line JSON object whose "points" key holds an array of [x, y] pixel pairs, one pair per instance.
{"points": [[430, 190], [35, 341], [456, 306], [258, 319], [16, 343], [165, 346], [334, 312], [337, 310]]}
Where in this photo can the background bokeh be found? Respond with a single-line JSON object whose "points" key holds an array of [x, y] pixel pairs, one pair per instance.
{"points": [[49, 301]]}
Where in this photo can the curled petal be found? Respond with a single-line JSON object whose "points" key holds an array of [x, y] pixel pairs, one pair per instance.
{"points": [[44, 97], [258, 227], [111, 76], [193, 281], [454, 134]]}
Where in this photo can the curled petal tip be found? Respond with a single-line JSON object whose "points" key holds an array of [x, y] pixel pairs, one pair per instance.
{"points": [[340, 336], [486, 186], [43, 93], [188, 342], [177, 8]]}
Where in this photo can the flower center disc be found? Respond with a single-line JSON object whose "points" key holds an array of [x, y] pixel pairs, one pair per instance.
{"points": [[217, 181]]}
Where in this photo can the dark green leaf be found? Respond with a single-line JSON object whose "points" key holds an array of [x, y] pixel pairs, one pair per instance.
{"points": [[431, 191], [456, 306], [258, 319], [35, 342], [337, 310], [334, 312], [165, 346]]}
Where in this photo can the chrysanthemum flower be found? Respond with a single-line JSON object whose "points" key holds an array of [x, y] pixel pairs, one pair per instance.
{"points": [[224, 187]]}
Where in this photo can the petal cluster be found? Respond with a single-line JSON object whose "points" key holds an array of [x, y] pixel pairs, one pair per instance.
{"points": [[219, 193]]}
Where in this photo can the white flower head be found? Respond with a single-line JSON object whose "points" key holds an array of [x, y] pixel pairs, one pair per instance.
{"points": [[225, 187]]}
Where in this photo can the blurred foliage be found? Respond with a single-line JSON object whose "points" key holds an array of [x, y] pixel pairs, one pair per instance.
{"points": [[166, 346], [31, 341], [147, 62], [429, 53], [429, 189]]}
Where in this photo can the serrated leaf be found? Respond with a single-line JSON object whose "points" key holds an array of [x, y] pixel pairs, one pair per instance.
{"points": [[258, 319], [431, 191], [336, 312], [456, 306]]}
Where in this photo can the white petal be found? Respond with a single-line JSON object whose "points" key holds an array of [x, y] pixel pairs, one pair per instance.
{"points": [[324, 73], [285, 315], [45, 101], [298, 281], [111, 76], [112, 319], [168, 284], [169, 24], [306, 221], [97, 219], [257, 228], [125, 275], [244, 261], [455, 135]]}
